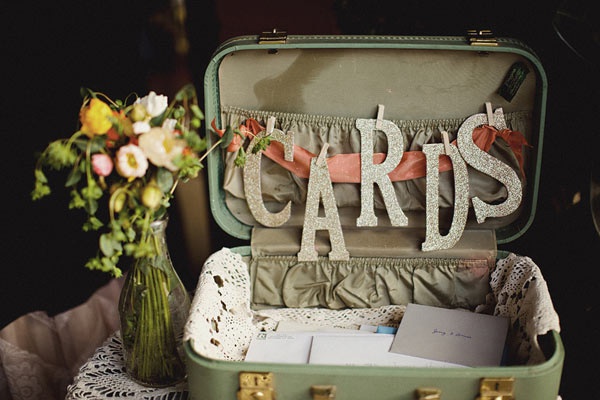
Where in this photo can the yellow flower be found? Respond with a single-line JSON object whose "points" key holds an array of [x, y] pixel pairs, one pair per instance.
{"points": [[95, 118]]}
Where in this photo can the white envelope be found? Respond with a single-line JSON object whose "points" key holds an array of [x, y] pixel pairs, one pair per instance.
{"points": [[280, 347], [288, 347], [366, 350]]}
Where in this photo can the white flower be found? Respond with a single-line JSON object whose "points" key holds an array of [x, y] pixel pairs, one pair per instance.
{"points": [[155, 104], [131, 161], [161, 147], [140, 127], [169, 124]]}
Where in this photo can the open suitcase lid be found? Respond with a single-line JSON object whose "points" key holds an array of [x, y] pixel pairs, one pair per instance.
{"points": [[440, 79]]}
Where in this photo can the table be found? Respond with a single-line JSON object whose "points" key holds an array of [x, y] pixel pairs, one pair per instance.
{"points": [[103, 376]]}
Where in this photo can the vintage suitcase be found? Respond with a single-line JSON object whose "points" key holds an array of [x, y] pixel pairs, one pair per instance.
{"points": [[449, 130]]}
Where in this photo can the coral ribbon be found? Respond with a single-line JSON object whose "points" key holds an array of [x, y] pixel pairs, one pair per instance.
{"points": [[345, 168]]}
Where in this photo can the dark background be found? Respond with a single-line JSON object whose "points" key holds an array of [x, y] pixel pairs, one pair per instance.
{"points": [[51, 49]]}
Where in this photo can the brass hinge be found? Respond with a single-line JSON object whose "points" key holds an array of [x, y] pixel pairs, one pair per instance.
{"points": [[481, 37], [273, 37], [323, 392], [256, 386], [428, 394], [496, 389]]}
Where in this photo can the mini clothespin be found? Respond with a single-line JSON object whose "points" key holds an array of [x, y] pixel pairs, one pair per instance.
{"points": [[446, 141], [490, 113], [380, 110], [270, 125], [322, 154]]}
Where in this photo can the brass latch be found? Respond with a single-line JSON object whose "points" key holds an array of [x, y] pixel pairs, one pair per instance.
{"points": [[323, 392], [273, 37], [256, 386], [428, 394], [496, 389], [482, 37]]}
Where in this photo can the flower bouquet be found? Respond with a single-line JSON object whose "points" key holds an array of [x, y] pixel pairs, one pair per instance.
{"points": [[124, 164], [134, 155]]}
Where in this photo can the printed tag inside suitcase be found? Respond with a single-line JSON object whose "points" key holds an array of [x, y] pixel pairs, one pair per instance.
{"points": [[369, 174]]}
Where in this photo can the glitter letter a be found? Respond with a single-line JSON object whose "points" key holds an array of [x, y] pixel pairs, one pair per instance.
{"points": [[319, 186]]}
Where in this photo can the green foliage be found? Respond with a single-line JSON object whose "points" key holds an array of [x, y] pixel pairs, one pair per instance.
{"points": [[186, 92], [76, 200], [227, 137], [261, 144], [164, 179], [197, 112], [240, 158], [110, 244], [105, 264], [196, 143], [58, 155], [74, 177], [92, 224], [40, 188]]}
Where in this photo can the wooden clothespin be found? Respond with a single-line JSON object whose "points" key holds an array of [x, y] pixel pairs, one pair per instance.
{"points": [[270, 125], [446, 141], [490, 113], [322, 154], [380, 110]]}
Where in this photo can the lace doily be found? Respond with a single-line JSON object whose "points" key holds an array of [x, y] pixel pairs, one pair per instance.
{"points": [[520, 292], [222, 324], [104, 376]]}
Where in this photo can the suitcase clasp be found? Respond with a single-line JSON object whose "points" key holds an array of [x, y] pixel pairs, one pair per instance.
{"points": [[428, 393], [496, 389], [273, 37], [323, 392], [256, 386], [481, 37]]}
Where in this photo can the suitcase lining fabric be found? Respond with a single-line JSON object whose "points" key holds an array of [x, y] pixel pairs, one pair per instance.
{"points": [[223, 321]]}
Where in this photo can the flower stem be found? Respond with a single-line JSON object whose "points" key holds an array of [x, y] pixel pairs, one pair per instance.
{"points": [[218, 142], [153, 356], [152, 301]]}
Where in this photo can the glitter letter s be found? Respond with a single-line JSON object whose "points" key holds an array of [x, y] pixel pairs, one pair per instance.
{"points": [[484, 162]]}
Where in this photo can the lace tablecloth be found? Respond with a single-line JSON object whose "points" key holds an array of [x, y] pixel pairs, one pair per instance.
{"points": [[103, 376]]}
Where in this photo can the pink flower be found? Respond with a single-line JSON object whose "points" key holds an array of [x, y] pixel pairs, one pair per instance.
{"points": [[102, 164], [131, 161]]}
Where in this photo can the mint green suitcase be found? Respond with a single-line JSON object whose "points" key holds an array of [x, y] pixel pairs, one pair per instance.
{"points": [[315, 86]]}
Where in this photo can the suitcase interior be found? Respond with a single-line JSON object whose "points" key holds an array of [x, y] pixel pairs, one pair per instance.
{"points": [[318, 87]]}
